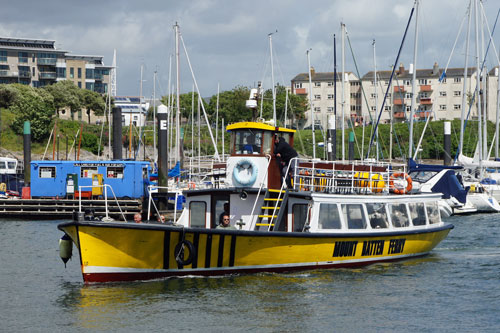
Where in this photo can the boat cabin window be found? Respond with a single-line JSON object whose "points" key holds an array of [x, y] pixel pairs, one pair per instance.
{"points": [[47, 172], [114, 172], [433, 212], [87, 172], [197, 213], [11, 165], [417, 213], [268, 142], [299, 217], [247, 142], [422, 176], [3, 165], [329, 217], [354, 216], [377, 215], [399, 215]]}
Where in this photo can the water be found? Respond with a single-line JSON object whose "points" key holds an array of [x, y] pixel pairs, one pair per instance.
{"points": [[456, 288]]}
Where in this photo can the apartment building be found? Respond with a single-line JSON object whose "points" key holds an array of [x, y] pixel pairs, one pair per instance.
{"points": [[37, 62], [323, 96], [134, 110]]}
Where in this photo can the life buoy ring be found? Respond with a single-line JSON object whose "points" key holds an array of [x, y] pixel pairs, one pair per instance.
{"points": [[3, 187], [248, 167], [179, 252], [191, 185], [401, 175]]}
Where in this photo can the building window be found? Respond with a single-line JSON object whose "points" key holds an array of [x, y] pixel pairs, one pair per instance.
{"points": [[408, 95], [408, 108], [33, 71], [317, 84], [330, 109], [424, 95], [71, 73], [457, 107], [47, 172], [442, 107], [373, 82], [3, 56], [442, 93], [23, 57], [373, 95], [387, 108], [87, 172], [407, 82], [422, 81], [298, 85], [355, 84], [79, 73], [386, 83], [317, 109], [330, 96], [373, 108], [317, 97], [79, 84], [457, 80], [89, 73], [330, 84], [443, 80], [457, 93]]}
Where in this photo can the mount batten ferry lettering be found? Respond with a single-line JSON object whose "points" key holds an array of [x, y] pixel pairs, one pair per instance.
{"points": [[370, 248], [345, 249], [396, 246], [373, 248]]}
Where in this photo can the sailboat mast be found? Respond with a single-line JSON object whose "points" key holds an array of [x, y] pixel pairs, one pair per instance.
{"points": [[178, 101], [464, 89], [376, 95], [343, 90], [217, 116], [272, 77], [311, 104], [154, 118], [478, 97], [414, 83]]}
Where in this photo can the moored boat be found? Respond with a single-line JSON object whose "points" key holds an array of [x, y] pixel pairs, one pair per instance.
{"points": [[334, 215]]}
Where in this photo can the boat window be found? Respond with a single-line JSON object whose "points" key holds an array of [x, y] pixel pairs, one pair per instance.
{"points": [[354, 216], [433, 212], [268, 142], [2, 165], [248, 142], [11, 165], [197, 214], [377, 215], [114, 172], [329, 217], [299, 214], [87, 172], [399, 215], [422, 176], [417, 213], [47, 172]]}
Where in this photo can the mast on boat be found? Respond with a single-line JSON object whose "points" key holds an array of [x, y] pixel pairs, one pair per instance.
{"points": [[311, 104], [414, 83], [272, 77], [342, 25]]}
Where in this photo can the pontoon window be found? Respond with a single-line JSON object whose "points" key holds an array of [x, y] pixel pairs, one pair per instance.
{"points": [[377, 215], [197, 214], [87, 172], [353, 214], [399, 215], [329, 217], [417, 213], [47, 172], [433, 212], [114, 172], [248, 142], [299, 212]]}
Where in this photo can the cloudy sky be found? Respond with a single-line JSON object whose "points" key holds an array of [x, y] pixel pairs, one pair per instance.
{"points": [[227, 40]]}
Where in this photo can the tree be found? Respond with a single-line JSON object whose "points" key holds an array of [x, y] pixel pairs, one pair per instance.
{"points": [[65, 94], [8, 94], [91, 100], [36, 106]]}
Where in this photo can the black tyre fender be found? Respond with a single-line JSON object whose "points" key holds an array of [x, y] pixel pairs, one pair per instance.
{"points": [[179, 252]]}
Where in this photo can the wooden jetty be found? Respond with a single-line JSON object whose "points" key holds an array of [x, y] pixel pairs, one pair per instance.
{"points": [[64, 208]]}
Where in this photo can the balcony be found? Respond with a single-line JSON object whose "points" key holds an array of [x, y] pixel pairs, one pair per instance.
{"points": [[300, 91], [399, 89], [398, 101], [47, 75], [399, 115], [423, 114], [425, 101], [25, 74], [426, 87], [47, 61]]}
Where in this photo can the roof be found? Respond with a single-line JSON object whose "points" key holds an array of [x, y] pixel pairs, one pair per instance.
{"points": [[421, 73], [318, 76], [255, 125]]}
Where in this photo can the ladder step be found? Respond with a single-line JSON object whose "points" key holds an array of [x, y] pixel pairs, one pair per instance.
{"points": [[268, 216], [269, 207], [275, 191], [272, 199], [264, 224]]}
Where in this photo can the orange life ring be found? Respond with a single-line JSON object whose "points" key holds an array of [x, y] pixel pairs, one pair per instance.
{"points": [[191, 185], [402, 175]]}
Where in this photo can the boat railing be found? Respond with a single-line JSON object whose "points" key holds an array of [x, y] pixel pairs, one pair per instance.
{"points": [[262, 183], [153, 189], [353, 177], [105, 188]]}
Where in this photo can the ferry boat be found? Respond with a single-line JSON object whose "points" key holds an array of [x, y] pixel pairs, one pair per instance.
{"points": [[334, 215]]}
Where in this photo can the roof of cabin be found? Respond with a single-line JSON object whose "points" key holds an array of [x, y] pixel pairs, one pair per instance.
{"points": [[255, 125]]}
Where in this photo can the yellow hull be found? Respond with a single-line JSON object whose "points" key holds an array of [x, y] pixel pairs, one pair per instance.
{"points": [[120, 251]]}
